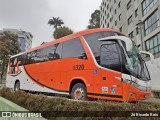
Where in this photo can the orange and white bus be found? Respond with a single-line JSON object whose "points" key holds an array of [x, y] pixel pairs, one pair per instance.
{"points": [[96, 63]]}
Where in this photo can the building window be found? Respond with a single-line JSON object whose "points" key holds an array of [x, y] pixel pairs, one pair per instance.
{"points": [[120, 29], [107, 6], [108, 15], [136, 12], [110, 9], [129, 19], [101, 8], [119, 4], [101, 15], [119, 17], [151, 23], [115, 11], [114, 1], [108, 25], [129, 5], [131, 35], [116, 23], [137, 30], [110, 19], [153, 44], [147, 5]]}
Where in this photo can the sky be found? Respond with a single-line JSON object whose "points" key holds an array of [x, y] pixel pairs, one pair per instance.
{"points": [[33, 16]]}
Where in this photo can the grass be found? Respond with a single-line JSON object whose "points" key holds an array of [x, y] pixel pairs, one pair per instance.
{"points": [[34, 102]]}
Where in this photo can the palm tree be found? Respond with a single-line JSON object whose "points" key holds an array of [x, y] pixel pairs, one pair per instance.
{"points": [[56, 22]]}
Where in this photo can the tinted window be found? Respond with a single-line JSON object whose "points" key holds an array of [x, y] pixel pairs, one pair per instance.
{"points": [[59, 51], [110, 57], [34, 56], [12, 62], [38, 56], [50, 52], [95, 44], [22, 58], [28, 58], [54, 52], [72, 48]]}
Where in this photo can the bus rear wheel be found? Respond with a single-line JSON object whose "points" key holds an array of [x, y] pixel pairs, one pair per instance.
{"points": [[79, 92], [17, 86]]}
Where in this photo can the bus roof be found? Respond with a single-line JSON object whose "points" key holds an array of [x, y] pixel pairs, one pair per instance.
{"points": [[72, 36]]}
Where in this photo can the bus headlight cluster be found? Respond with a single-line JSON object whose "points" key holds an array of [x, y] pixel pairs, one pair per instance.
{"points": [[140, 87], [127, 81]]}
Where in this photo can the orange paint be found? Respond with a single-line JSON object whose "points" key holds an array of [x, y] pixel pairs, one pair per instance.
{"points": [[58, 74]]}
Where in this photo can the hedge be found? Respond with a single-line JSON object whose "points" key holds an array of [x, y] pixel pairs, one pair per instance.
{"points": [[35, 102]]}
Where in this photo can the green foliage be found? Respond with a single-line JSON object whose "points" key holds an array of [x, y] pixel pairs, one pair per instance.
{"points": [[34, 102], [94, 22], [61, 32], [56, 22], [9, 45]]}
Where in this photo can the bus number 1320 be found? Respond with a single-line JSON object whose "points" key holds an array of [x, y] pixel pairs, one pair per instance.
{"points": [[78, 67]]}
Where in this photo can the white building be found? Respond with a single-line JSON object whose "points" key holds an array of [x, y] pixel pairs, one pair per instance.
{"points": [[24, 38], [124, 16]]}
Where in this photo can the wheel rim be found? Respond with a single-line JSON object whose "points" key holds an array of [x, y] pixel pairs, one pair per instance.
{"points": [[79, 93]]}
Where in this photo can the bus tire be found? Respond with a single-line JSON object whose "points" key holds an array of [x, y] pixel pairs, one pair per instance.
{"points": [[79, 92], [17, 86]]}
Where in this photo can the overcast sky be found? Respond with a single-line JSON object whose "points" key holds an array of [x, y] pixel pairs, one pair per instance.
{"points": [[33, 15]]}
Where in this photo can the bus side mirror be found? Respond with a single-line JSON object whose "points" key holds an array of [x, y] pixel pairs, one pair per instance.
{"points": [[150, 54]]}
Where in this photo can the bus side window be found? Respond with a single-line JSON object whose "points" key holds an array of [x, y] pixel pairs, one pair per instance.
{"points": [[50, 52], [110, 57], [95, 44], [19, 59], [73, 49], [54, 52], [38, 56], [28, 57], [58, 52]]}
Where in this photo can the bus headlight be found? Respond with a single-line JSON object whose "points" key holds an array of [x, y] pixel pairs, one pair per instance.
{"points": [[127, 81], [140, 87]]}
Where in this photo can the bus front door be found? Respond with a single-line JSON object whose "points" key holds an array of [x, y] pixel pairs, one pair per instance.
{"points": [[107, 81]]}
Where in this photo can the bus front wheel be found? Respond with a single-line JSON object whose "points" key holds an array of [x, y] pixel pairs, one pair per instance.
{"points": [[79, 92], [17, 86]]}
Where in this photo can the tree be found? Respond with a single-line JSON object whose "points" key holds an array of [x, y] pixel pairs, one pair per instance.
{"points": [[94, 22], [61, 32], [56, 22], [9, 45]]}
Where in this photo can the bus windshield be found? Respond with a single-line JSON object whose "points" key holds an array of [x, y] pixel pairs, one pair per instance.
{"points": [[106, 54], [133, 61]]}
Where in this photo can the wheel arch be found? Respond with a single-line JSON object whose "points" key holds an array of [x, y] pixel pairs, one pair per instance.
{"points": [[16, 81], [75, 81]]}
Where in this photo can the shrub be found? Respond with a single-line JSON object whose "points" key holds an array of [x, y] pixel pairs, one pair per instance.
{"points": [[34, 102]]}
